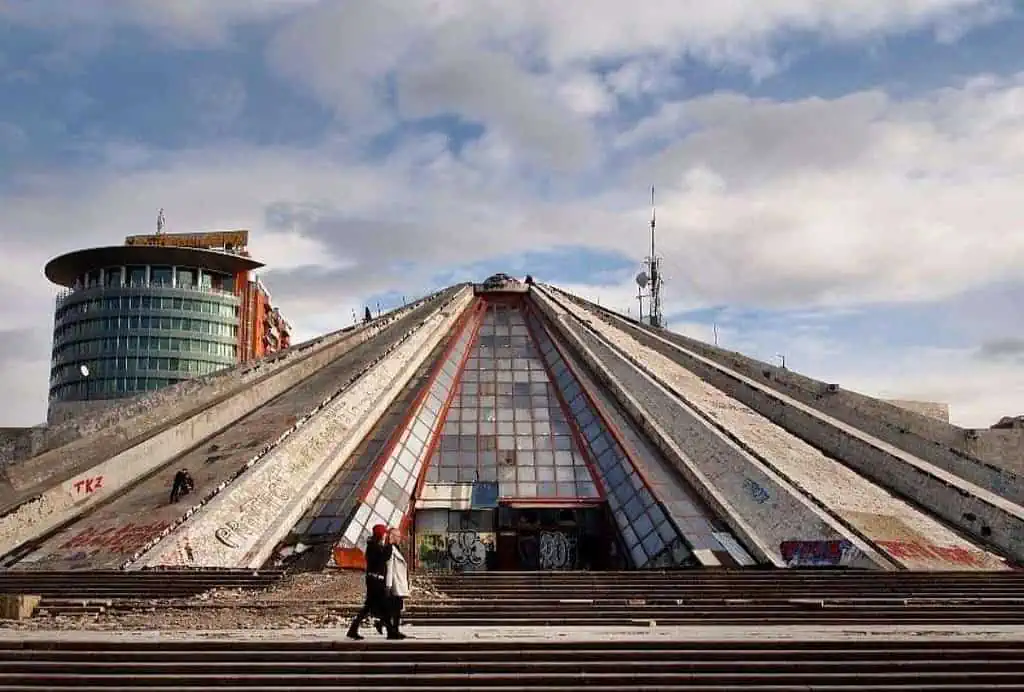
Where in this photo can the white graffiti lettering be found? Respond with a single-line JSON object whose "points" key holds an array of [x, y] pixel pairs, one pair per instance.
{"points": [[466, 549], [557, 550]]}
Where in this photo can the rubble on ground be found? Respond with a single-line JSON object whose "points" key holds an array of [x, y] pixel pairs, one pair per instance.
{"points": [[299, 601]]}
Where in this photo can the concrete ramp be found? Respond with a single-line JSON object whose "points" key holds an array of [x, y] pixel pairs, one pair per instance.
{"points": [[125, 500], [907, 535], [241, 525]]}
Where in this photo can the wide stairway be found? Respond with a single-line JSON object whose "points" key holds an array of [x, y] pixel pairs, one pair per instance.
{"points": [[78, 592], [750, 598], [706, 655], [765, 666]]}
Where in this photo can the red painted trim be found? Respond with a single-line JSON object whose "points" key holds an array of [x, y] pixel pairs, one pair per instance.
{"points": [[414, 407], [574, 430], [546, 502], [474, 311], [599, 410]]}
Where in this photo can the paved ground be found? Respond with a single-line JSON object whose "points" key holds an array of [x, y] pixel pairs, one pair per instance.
{"points": [[527, 634]]}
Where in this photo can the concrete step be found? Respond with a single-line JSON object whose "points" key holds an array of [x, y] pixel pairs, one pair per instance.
{"points": [[110, 585], [557, 665]]}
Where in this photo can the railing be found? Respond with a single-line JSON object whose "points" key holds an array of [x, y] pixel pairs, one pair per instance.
{"points": [[100, 291]]}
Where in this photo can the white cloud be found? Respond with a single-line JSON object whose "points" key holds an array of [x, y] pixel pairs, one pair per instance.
{"points": [[812, 202]]}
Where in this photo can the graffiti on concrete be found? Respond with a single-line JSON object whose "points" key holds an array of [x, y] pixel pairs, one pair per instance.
{"points": [[908, 550], [468, 550], [86, 486], [234, 533], [557, 550], [125, 539], [757, 493], [228, 534], [432, 551], [818, 553]]}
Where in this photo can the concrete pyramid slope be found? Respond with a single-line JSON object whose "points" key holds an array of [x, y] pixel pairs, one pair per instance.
{"points": [[504, 424], [510, 427]]}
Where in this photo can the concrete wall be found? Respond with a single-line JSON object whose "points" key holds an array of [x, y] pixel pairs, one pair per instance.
{"points": [[977, 456], [760, 507], [991, 519], [931, 409], [242, 525], [60, 503], [18, 443], [86, 442]]}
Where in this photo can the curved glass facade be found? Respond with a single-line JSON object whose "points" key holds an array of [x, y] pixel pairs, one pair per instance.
{"points": [[141, 328]]}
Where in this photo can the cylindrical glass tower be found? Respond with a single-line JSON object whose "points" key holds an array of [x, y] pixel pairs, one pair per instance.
{"points": [[134, 319]]}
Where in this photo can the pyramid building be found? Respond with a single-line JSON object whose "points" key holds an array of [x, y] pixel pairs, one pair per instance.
{"points": [[511, 426]]}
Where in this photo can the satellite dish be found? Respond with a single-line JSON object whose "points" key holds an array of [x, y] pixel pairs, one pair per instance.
{"points": [[641, 279], [84, 370]]}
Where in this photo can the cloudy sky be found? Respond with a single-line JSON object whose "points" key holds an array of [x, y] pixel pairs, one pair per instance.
{"points": [[839, 181]]}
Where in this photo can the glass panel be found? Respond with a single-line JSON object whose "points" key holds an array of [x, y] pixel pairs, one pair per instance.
{"points": [[136, 276], [161, 276]]}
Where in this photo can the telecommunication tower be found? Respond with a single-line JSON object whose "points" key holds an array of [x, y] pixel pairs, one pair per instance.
{"points": [[651, 279]]}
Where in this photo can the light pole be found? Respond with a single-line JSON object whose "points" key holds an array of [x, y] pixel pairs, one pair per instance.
{"points": [[782, 358]]}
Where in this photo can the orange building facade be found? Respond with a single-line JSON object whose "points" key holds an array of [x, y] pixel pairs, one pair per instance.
{"points": [[262, 329]]}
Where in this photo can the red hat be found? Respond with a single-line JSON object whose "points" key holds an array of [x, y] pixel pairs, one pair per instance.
{"points": [[379, 531]]}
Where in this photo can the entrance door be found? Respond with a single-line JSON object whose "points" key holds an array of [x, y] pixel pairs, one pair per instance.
{"points": [[549, 538]]}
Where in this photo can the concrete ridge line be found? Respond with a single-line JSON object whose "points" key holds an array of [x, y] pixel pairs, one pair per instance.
{"points": [[692, 473], [991, 509], [970, 460], [56, 499], [447, 317], [138, 555], [33, 493], [856, 536], [922, 464], [757, 455], [158, 555]]}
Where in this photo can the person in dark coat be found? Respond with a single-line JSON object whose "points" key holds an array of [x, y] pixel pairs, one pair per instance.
{"points": [[378, 553], [183, 485]]}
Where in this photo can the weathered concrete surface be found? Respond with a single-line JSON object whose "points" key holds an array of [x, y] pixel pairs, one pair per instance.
{"points": [[66, 449], [760, 507], [933, 409], [241, 526], [99, 483], [909, 536], [645, 632], [17, 606], [682, 504], [983, 459], [20, 443], [114, 533]]}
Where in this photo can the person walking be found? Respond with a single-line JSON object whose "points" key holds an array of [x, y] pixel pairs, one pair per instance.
{"points": [[378, 554], [397, 583]]}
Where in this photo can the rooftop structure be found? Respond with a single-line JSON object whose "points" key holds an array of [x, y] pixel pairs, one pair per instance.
{"points": [[511, 426], [152, 312]]}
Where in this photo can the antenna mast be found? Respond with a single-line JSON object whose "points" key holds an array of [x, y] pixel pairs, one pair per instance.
{"points": [[653, 264]]}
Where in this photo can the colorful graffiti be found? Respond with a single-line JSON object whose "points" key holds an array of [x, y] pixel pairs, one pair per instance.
{"points": [[459, 550], [432, 551], [817, 553], [88, 485], [125, 539], [911, 550]]}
